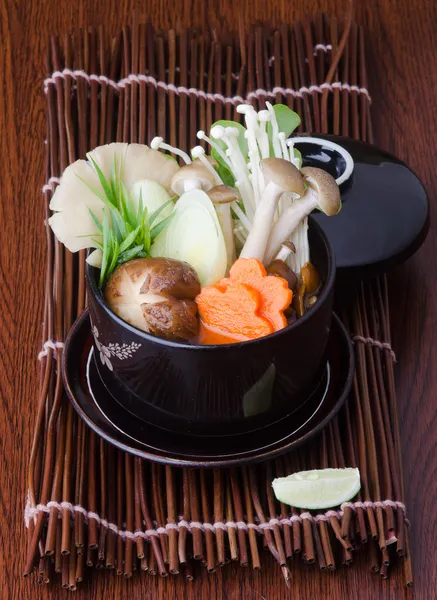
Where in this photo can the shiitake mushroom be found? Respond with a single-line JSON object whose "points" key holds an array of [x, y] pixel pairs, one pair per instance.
{"points": [[156, 295]]}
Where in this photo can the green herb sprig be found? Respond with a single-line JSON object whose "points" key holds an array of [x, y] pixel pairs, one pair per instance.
{"points": [[126, 232]]}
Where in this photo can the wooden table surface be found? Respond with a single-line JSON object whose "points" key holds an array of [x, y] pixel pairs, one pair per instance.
{"points": [[401, 49]]}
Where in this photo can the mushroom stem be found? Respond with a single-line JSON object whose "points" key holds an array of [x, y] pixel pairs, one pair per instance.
{"points": [[258, 237], [275, 131], [158, 144], [201, 135], [287, 248], [239, 234], [239, 168], [263, 118], [236, 162], [222, 196], [293, 158], [252, 135], [288, 222], [241, 216], [199, 152], [284, 149], [300, 238]]}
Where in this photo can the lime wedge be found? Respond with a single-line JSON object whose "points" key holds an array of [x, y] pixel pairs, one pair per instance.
{"points": [[320, 488]]}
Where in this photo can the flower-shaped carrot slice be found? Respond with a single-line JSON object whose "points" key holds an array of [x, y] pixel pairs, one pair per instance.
{"points": [[275, 293], [231, 314]]}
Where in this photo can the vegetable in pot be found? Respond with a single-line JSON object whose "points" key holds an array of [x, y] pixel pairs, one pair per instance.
{"points": [[280, 176], [194, 235], [156, 295], [222, 309], [322, 193], [89, 187]]}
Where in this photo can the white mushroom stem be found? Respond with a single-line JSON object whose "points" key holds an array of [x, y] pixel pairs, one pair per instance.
{"points": [[199, 152], [252, 135], [255, 176], [284, 149], [293, 159], [239, 234], [245, 223], [284, 253], [264, 118], [158, 144], [191, 184], [300, 240], [288, 222], [258, 237], [275, 131], [239, 169], [201, 135]]}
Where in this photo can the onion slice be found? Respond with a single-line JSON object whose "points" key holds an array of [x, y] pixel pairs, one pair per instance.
{"points": [[194, 235]]}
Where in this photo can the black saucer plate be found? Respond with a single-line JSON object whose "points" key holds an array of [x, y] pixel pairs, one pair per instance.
{"points": [[119, 427]]}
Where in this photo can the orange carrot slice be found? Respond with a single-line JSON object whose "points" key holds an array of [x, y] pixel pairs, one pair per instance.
{"points": [[275, 293], [232, 312]]}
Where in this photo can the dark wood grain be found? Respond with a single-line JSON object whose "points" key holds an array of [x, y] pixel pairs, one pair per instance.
{"points": [[400, 46]]}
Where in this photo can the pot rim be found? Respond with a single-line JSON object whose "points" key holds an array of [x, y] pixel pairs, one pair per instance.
{"points": [[326, 290]]}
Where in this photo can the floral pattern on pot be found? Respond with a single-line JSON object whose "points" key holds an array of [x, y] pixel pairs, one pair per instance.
{"points": [[120, 351]]}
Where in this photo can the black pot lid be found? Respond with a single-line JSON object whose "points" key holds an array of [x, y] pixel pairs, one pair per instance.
{"points": [[385, 210]]}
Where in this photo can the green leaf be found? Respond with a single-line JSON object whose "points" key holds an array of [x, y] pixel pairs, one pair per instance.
{"points": [[115, 251], [129, 240], [158, 228], [99, 244], [113, 178], [106, 249], [135, 252], [103, 181], [225, 173], [158, 211], [118, 224], [287, 119], [96, 221], [145, 227], [127, 209]]}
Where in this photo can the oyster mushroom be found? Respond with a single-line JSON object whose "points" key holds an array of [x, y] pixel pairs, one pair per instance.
{"points": [[156, 295], [73, 199], [222, 196], [192, 176], [322, 193], [280, 176]]}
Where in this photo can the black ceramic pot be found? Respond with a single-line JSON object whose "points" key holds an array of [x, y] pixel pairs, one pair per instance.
{"points": [[215, 390]]}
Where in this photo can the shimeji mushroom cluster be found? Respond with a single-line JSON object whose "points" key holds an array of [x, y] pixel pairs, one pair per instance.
{"points": [[271, 196]]}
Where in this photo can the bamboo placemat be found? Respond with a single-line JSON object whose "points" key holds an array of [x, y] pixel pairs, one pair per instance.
{"points": [[92, 505]]}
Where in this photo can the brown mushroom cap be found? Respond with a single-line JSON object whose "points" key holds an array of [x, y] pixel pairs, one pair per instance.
{"points": [[279, 268], [327, 190], [156, 295], [284, 174], [290, 246], [172, 320], [212, 161], [223, 194], [192, 171], [310, 277]]}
